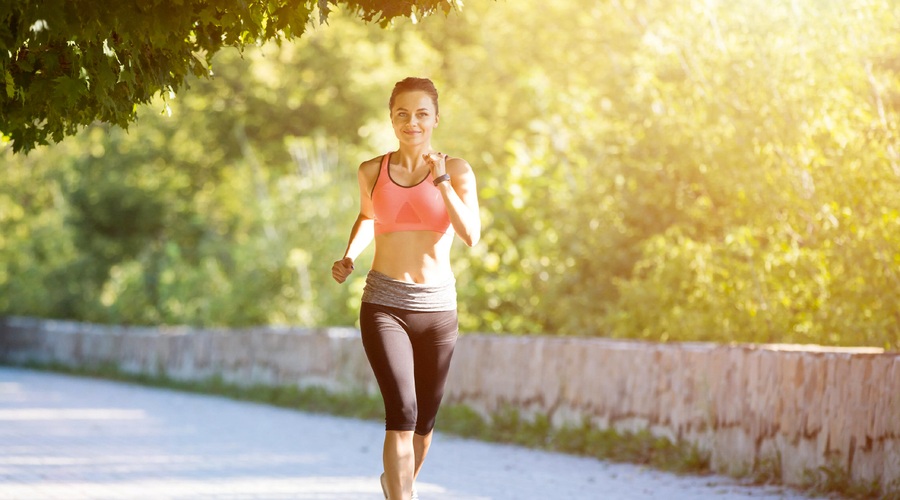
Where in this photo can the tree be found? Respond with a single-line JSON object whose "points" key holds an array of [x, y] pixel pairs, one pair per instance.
{"points": [[207, 216], [67, 63], [646, 175]]}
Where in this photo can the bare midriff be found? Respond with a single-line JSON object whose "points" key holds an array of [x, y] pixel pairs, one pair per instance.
{"points": [[414, 256]]}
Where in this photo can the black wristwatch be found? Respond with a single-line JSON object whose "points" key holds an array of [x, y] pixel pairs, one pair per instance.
{"points": [[441, 178]]}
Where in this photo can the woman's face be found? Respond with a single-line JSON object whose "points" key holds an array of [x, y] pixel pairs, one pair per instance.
{"points": [[413, 117]]}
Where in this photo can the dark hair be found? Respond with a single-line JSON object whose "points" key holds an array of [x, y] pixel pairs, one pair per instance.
{"points": [[411, 84]]}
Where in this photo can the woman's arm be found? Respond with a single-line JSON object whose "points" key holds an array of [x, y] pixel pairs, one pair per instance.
{"points": [[363, 231], [461, 198]]}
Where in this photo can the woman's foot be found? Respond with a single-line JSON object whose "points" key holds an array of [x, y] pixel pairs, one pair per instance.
{"points": [[415, 494]]}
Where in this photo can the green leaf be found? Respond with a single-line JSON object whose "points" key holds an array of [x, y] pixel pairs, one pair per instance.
{"points": [[10, 85], [69, 89]]}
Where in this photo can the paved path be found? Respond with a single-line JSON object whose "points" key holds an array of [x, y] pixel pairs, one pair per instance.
{"points": [[72, 438]]}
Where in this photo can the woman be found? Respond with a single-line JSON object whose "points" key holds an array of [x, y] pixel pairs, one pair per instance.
{"points": [[412, 202]]}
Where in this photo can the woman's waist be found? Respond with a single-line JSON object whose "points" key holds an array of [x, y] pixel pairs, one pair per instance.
{"points": [[431, 274], [431, 296]]}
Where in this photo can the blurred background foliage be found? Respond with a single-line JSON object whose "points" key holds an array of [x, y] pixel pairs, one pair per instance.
{"points": [[687, 170]]}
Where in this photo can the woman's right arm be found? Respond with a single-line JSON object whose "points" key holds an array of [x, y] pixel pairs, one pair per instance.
{"points": [[363, 231]]}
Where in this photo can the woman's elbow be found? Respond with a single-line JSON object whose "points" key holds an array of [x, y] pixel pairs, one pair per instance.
{"points": [[471, 239]]}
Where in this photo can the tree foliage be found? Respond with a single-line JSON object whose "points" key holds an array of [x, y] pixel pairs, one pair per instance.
{"points": [[198, 217], [65, 64], [732, 178], [686, 170]]}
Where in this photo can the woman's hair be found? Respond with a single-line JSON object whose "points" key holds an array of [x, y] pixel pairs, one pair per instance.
{"points": [[411, 84]]}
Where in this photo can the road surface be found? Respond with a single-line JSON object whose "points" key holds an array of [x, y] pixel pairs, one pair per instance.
{"points": [[69, 438]]}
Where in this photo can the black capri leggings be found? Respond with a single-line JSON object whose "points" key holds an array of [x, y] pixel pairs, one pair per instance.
{"points": [[410, 354]]}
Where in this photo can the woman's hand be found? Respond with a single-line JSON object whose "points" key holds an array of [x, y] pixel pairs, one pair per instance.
{"points": [[341, 269], [437, 162]]}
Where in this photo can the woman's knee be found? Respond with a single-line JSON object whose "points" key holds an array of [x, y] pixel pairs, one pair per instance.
{"points": [[425, 428], [401, 416]]}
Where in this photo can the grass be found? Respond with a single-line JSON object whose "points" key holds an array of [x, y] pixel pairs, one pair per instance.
{"points": [[833, 479], [506, 426], [766, 470]]}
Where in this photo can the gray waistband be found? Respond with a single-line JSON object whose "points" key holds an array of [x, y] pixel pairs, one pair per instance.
{"points": [[386, 291]]}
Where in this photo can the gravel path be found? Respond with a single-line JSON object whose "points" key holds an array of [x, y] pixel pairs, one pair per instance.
{"points": [[64, 437]]}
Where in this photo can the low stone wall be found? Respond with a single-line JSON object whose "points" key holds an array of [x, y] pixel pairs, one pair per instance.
{"points": [[801, 406]]}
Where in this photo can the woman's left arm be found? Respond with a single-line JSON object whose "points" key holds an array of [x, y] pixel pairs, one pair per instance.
{"points": [[461, 198]]}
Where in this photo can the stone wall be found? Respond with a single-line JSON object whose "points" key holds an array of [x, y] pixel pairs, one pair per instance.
{"points": [[804, 406]]}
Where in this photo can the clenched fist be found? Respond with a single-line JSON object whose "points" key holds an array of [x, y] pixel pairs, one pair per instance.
{"points": [[341, 269]]}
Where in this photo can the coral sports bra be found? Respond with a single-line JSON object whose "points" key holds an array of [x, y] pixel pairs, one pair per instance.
{"points": [[407, 208]]}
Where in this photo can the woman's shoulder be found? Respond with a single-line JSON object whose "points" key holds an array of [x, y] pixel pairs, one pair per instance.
{"points": [[372, 161], [457, 166], [369, 171], [371, 166]]}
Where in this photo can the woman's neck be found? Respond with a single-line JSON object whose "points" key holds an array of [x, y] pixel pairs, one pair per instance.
{"points": [[410, 157]]}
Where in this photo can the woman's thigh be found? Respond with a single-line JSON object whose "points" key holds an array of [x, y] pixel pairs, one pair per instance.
{"points": [[390, 355]]}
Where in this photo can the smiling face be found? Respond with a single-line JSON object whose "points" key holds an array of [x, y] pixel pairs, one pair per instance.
{"points": [[414, 117]]}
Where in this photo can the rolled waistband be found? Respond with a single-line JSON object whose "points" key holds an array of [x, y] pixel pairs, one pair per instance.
{"points": [[383, 290]]}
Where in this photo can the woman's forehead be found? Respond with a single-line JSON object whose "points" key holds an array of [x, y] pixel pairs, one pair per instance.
{"points": [[413, 100]]}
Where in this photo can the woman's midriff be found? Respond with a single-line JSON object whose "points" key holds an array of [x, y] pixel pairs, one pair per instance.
{"points": [[414, 256]]}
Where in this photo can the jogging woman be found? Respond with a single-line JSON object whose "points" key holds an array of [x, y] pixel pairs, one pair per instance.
{"points": [[413, 202]]}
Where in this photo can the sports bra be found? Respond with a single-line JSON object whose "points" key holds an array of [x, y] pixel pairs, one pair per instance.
{"points": [[407, 208]]}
